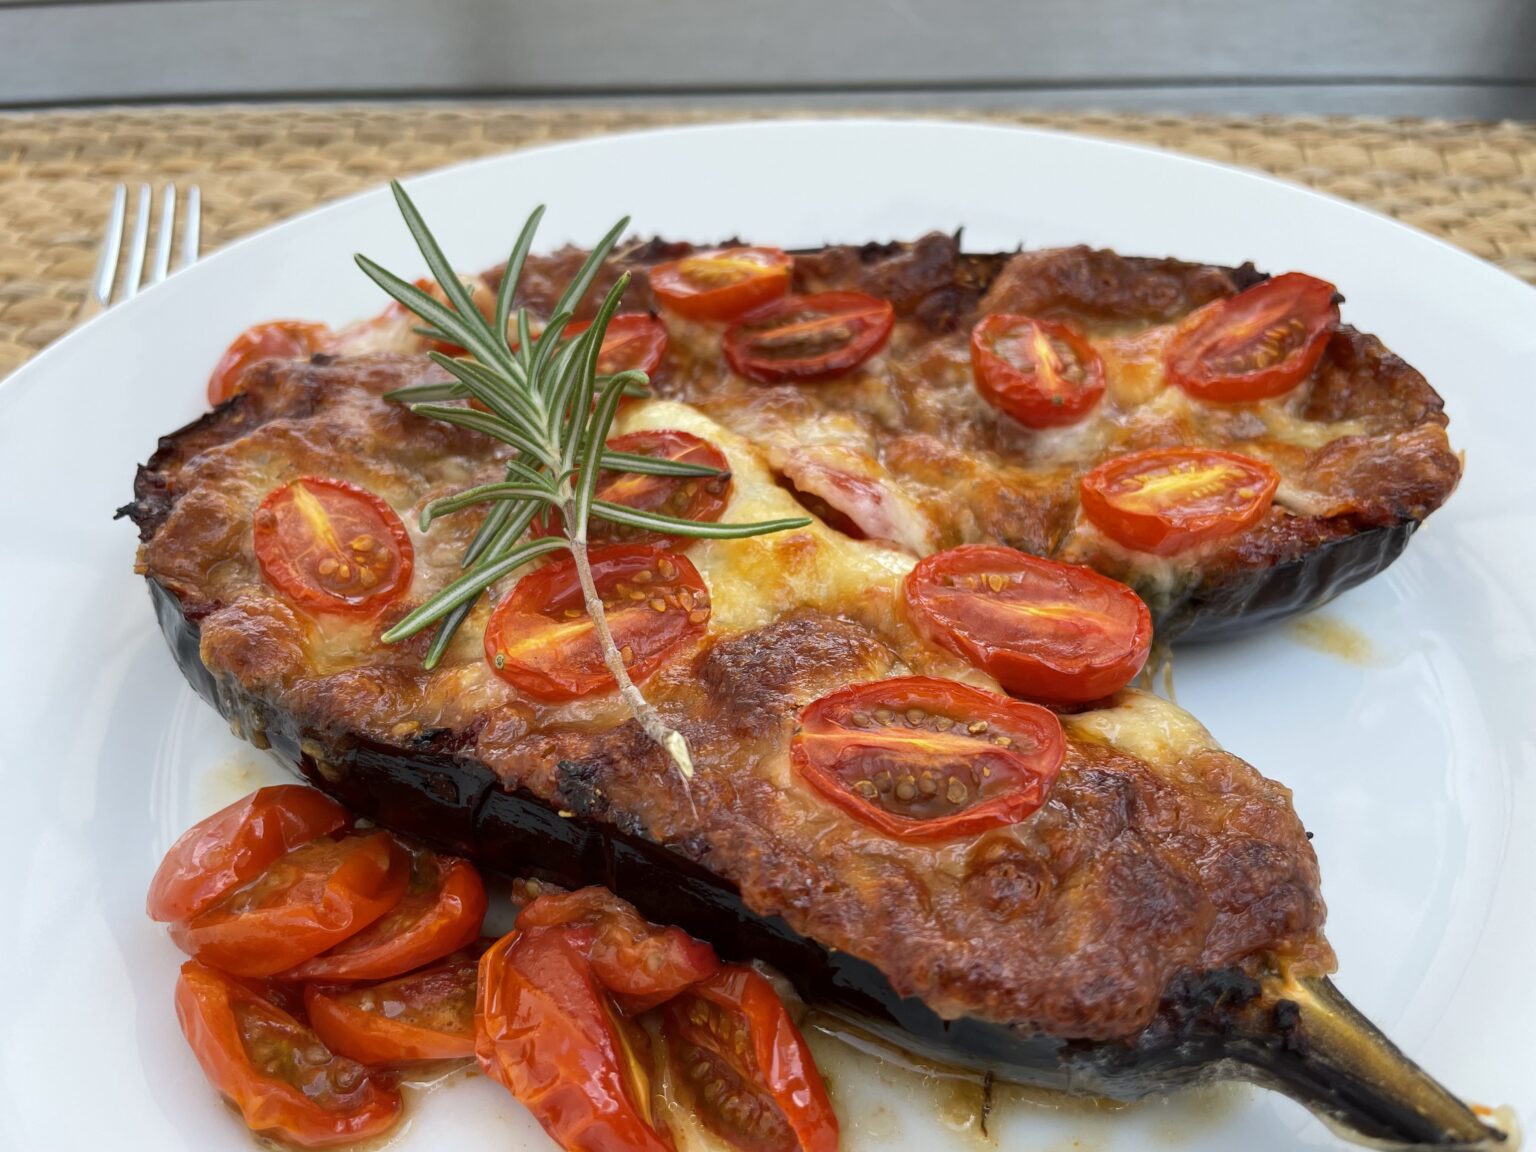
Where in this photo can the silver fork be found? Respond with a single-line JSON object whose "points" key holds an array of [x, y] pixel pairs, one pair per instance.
{"points": [[101, 294]]}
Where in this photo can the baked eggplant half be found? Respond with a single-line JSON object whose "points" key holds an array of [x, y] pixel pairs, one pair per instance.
{"points": [[1156, 921]]}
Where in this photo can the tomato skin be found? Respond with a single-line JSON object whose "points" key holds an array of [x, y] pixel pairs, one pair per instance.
{"points": [[275, 340], [774, 1063], [723, 283], [548, 601], [1019, 369], [441, 912], [300, 905], [634, 341], [338, 1101], [1224, 352], [314, 523], [852, 742], [838, 331], [428, 1015], [1048, 631], [1243, 495], [235, 843]]}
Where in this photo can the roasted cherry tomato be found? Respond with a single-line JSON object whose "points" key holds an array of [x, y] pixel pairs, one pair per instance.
{"points": [[236, 843], [689, 497], [722, 283], [1041, 372], [634, 342], [285, 1082], [1049, 631], [1167, 500], [301, 904], [540, 638], [920, 758], [1260, 343], [441, 912], [548, 1032], [641, 963], [278, 340], [331, 546], [801, 338], [428, 1015], [753, 1080]]}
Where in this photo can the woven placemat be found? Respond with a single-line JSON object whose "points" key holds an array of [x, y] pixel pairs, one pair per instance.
{"points": [[1473, 184]]}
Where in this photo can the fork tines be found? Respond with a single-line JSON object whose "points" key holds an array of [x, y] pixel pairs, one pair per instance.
{"points": [[133, 272]]}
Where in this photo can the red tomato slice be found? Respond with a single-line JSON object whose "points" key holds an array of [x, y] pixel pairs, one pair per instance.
{"points": [[635, 341], [753, 1080], [236, 843], [277, 340], [1041, 372], [547, 1031], [1048, 631], [1171, 499], [428, 1015], [1260, 343], [701, 498], [541, 640], [303, 903], [920, 758], [722, 283], [285, 1082], [331, 546], [803, 338], [441, 912], [641, 963]]}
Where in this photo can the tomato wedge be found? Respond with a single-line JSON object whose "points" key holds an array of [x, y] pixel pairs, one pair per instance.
{"points": [[1260, 343], [753, 1080], [301, 904], [634, 342], [285, 1082], [428, 1015], [276, 340], [805, 338], [236, 843], [1043, 373], [331, 546], [722, 283], [441, 912], [1167, 500], [919, 758], [541, 640], [701, 498], [1049, 631]]}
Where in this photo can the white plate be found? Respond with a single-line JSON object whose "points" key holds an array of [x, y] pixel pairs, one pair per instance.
{"points": [[1413, 767]]}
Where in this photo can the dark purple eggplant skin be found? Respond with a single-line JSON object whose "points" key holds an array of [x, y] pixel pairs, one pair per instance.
{"points": [[1211, 1025]]}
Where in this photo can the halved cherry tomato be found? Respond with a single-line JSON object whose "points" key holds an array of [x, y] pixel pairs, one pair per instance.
{"points": [[441, 912], [235, 843], [635, 341], [277, 340], [807, 338], [641, 963], [1043, 373], [428, 1015], [548, 1032], [722, 283], [285, 1082], [1170, 499], [700, 498], [753, 1080], [541, 640], [920, 758], [301, 904], [1050, 631], [331, 546], [1260, 343]]}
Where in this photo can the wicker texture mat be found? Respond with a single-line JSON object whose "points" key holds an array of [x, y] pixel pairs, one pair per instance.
{"points": [[1473, 184]]}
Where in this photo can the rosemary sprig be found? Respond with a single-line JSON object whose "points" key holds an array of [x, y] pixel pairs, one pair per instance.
{"points": [[545, 399]]}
